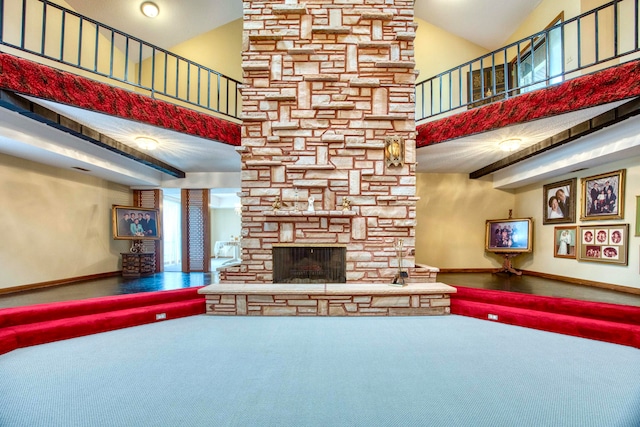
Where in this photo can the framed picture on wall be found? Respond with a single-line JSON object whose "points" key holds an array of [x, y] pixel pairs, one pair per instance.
{"points": [[604, 243], [603, 196], [132, 223], [637, 215], [559, 202], [509, 235], [564, 242]]}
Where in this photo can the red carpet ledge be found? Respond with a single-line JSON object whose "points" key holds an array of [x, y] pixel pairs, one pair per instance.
{"points": [[43, 323], [618, 324]]}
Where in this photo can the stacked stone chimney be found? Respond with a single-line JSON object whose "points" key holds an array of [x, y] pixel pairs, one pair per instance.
{"points": [[328, 115]]}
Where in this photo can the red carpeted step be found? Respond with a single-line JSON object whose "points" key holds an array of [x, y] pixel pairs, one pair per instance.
{"points": [[60, 310], [602, 330], [59, 329], [589, 309], [8, 341]]}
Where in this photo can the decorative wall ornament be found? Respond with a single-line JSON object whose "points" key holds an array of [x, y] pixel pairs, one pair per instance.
{"points": [[394, 150]]}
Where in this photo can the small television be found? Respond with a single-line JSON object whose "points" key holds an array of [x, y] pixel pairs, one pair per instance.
{"points": [[133, 223], [509, 235]]}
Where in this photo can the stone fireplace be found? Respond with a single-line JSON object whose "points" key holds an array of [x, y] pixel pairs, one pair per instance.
{"points": [[328, 134]]}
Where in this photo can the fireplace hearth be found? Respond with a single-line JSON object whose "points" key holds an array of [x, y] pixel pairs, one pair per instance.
{"points": [[309, 264]]}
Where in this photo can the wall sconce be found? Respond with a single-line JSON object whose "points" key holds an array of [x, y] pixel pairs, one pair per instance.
{"points": [[394, 150]]}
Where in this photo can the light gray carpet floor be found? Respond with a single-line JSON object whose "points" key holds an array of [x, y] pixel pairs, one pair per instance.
{"points": [[283, 371]]}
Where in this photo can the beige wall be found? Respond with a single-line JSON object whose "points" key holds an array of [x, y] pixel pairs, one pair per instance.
{"points": [[529, 201], [451, 225], [437, 50], [55, 223], [451, 220], [219, 49]]}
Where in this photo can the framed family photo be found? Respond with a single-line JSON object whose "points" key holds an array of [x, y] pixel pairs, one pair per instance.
{"points": [[603, 196], [509, 235], [131, 223], [559, 202], [564, 242], [604, 243]]}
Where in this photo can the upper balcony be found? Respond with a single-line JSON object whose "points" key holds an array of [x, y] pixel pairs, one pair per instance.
{"points": [[568, 50]]}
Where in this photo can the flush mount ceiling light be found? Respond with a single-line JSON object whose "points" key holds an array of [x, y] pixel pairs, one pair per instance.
{"points": [[146, 143], [511, 144], [149, 9]]}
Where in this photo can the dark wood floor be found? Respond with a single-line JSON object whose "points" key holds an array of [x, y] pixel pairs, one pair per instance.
{"points": [[176, 280]]}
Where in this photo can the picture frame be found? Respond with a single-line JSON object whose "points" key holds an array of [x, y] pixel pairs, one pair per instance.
{"points": [[604, 243], [637, 216], [148, 226], [509, 235], [565, 242], [559, 202], [603, 196]]}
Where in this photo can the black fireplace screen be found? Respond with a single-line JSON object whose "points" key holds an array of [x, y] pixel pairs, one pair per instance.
{"points": [[305, 264]]}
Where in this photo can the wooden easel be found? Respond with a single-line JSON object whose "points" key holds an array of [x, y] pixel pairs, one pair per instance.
{"points": [[507, 267]]}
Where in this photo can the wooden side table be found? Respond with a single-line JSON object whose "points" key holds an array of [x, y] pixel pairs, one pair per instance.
{"points": [[138, 264]]}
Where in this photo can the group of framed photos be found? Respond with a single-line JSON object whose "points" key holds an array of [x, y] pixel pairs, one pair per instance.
{"points": [[602, 198]]}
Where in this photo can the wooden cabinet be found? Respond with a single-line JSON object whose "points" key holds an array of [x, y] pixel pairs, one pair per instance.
{"points": [[136, 265]]}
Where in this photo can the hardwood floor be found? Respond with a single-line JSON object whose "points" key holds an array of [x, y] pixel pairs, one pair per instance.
{"points": [[176, 280]]}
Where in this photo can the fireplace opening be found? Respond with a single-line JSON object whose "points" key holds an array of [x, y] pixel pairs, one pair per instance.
{"points": [[309, 264]]}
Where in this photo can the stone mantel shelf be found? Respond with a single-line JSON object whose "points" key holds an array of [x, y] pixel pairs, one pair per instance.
{"points": [[293, 215], [327, 289]]}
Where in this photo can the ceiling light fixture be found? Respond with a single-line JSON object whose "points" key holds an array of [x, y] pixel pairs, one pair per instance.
{"points": [[149, 9], [146, 143], [511, 144]]}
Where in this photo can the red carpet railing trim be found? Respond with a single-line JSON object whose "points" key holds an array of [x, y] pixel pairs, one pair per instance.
{"points": [[610, 85], [30, 78]]}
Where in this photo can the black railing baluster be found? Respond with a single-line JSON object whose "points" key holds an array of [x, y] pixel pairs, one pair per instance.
{"points": [[635, 20], [80, 44], [208, 89], [112, 53], [126, 58], [23, 24], [188, 80], [95, 50], [166, 65], [615, 32], [597, 38], [44, 28], [153, 72], [62, 35], [2, 20]]}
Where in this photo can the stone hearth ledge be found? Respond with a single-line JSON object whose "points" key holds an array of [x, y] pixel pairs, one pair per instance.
{"points": [[327, 299], [326, 289]]}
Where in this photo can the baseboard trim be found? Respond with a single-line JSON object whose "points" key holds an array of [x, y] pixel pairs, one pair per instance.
{"points": [[59, 282], [575, 281], [466, 270]]}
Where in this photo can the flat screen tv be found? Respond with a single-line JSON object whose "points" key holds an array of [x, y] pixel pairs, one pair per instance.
{"points": [[509, 235]]}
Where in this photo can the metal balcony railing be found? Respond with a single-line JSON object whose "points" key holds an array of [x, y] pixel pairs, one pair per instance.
{"points": [[594, 40], [47, 30], [603, 37]]}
